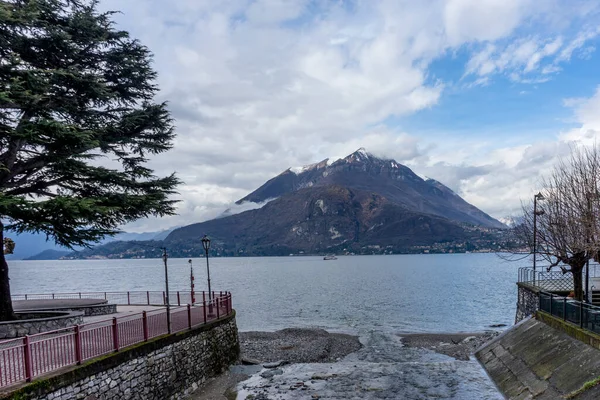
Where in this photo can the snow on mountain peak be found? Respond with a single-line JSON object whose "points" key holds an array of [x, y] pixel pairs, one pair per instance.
{"points": [[320, 164]]}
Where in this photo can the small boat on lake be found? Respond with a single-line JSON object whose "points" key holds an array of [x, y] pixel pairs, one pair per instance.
{"points": [[330, 257]]}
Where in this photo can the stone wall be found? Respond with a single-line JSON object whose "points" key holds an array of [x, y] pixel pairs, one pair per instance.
{"points": [[527, 302], [30, 323], [166, 368], [533, 360], [103, 309]]}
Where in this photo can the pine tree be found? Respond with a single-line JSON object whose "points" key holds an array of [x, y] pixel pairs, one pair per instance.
{"points": [[77, 126]]}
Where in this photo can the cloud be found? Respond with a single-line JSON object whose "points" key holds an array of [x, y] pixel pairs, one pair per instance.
{"points": [[482, 20], [587, 114], [525, 60], [258, 86]]}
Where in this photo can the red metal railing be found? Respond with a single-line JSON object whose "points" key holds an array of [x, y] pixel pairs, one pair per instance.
{"points": [[23, 359], [134, 298]]}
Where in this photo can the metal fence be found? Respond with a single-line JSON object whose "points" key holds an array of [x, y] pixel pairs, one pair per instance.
{"points": [[587, 316], [553, 281], [25, 358], [134, 298]]}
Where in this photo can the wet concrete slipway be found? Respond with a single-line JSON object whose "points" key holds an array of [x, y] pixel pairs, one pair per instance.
{"points": [[383, 368]]}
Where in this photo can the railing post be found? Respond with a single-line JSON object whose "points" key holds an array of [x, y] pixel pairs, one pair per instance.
{"points": [[79, 294], [145, 324], [551, 304], [189, 310], [115, 330], [27, 359], [564, 308], [178, 299], [25, 297], [148, 296], [164, 299], [104, 295], [218, 303], [53, 296], [581, 314], [77, 345], [204, 305], [128, 299]]}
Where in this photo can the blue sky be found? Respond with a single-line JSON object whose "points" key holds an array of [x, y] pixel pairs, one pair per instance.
{"points": [[521, 112], [482, 95]]}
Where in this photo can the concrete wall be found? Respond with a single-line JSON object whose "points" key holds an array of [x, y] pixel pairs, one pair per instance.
{"points": [[33, 322], [166, 368], [534, 360], [527, 301]]}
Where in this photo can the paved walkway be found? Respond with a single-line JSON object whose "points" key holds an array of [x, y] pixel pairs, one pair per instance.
{"points": [[122, 311]]}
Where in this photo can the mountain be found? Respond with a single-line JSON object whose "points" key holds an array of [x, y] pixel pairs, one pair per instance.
{"points": [[30, 245], [323, 219], [397, 183], [49, 255], [359, 204]]}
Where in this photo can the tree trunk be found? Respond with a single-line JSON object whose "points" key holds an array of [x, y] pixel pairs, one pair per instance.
{"points": [[6, 309], [578, 283]]}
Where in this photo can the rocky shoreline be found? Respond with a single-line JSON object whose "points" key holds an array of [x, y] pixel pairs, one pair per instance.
{"points": [[272, 350]]}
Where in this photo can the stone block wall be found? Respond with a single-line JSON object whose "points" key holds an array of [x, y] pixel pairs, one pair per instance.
{"points": [[527, 302], [30, 323], [167, 368], [103, 309]]}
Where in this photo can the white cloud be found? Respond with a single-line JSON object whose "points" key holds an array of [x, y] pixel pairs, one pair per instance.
{"points": [[257, 86], [482, 20], [524, 60], [587, 113]]}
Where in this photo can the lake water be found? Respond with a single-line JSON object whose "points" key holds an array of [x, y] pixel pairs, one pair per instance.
{"points": [[374, 297], [403, 293]]}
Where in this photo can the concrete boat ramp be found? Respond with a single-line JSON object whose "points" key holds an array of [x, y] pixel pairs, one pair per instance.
{"points": [[539, 360]]}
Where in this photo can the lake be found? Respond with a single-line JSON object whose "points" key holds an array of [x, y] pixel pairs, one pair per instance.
{"points": [[400, 293]]}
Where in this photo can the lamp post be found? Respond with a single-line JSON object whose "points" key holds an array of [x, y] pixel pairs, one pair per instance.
{"points": [[168, 304], [589, 239], [537, 197], [206, 245], [192, 293]]}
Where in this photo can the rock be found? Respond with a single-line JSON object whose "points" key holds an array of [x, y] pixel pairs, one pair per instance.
{"points": [[271, 373], [274, 364], [249, 361], [468, 339], [497, 325]]}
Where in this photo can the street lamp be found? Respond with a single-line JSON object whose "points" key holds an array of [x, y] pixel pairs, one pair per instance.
{"points": [[167, 302], [537, 197], [590, 216], [192, 293], [206, 245]]}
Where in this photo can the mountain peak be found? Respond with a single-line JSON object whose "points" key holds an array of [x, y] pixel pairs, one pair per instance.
{"points": [[359, 155]]}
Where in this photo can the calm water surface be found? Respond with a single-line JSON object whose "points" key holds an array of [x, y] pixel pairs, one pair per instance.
{"points": [[399, 293]]}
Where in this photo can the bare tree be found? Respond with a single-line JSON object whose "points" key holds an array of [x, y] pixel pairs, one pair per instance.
{"points": [[567, 227]]}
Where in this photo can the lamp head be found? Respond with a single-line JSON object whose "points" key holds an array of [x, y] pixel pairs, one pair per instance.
{"points": [[540, 196], [205, 242]]}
